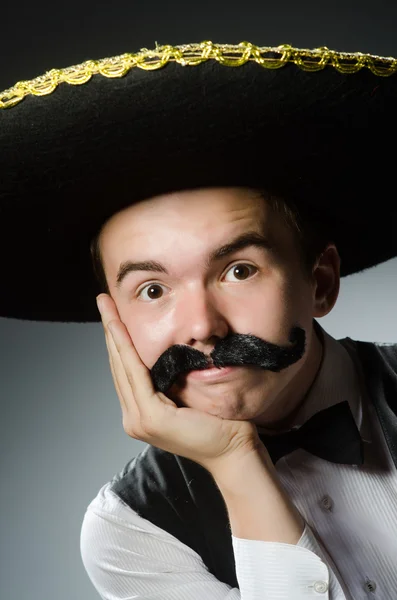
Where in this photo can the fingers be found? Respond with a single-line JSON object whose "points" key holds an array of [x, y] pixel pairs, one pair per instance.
{"points": [[116, 373], [132, 378], [131, 417], [136, 372], [129, 409]]}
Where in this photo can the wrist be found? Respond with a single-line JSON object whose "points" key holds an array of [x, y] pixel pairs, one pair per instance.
{"points": [[258, 506], [242, 469]]}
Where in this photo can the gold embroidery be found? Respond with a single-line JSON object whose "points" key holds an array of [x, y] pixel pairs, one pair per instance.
{"points": [[231, 55]]}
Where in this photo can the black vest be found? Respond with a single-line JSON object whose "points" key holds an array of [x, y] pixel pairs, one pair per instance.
{"points": [[181, 497]]}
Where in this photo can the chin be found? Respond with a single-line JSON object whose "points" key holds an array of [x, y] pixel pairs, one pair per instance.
{"points": [[230, 407]]}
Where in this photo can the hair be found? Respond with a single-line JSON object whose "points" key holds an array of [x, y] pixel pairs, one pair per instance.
{"points": [[311, 239]]}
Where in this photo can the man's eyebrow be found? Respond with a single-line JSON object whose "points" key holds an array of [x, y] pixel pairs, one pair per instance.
{"points": [[245, 240]]}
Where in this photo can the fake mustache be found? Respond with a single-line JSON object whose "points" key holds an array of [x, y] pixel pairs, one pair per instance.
{"points": [[235, 349]]}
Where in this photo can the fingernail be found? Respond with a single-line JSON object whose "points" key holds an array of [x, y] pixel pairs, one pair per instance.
{"points": [[99, 302]]}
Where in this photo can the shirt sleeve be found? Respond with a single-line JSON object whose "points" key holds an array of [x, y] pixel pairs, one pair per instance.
{"points": [[127, 560], [131, 558], [267, 570]]}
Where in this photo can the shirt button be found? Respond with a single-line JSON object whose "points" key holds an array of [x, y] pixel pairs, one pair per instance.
{"points": [[326, 502], [370, 586], [321, 587]]}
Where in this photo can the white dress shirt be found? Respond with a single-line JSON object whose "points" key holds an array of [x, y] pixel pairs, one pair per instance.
{"points": [[347, 551]]}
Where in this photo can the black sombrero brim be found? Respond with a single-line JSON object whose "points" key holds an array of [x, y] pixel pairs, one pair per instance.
{"points": [[73, 157]]}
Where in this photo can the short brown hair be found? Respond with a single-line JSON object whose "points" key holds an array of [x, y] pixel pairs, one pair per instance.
{"points": [[311, 235], [311, 239]]}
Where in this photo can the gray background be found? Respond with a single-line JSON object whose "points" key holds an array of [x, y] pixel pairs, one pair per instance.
{"points": [[61, 434]]}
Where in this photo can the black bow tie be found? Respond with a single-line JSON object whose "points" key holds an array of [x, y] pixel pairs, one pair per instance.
{"points": [[331, 434]]}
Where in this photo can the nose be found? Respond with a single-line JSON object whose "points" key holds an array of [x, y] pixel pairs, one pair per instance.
{"points": [[201, 320]]}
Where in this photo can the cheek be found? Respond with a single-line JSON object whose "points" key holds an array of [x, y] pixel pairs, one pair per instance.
{"points": [[266, 313], [150, 339], [281, 303]]}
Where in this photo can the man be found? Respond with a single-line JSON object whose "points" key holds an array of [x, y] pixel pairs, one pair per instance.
{"points": [[270, 470]]}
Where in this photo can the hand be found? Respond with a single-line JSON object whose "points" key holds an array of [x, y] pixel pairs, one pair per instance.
{"points": [[152, 417]]}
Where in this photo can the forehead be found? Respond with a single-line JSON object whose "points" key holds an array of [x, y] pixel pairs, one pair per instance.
{"points": [[193, 209]]}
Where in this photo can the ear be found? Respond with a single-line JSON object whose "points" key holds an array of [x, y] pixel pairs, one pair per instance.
{"points": [[326, 277]]}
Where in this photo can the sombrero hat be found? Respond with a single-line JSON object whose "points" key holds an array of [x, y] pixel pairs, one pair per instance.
{"points": [[79, 144]]}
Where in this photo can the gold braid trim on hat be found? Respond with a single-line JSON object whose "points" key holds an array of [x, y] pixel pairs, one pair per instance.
{"points": [[231, 55]]}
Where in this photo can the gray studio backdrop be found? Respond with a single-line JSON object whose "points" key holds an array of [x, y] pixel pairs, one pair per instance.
{"points": [[61, 436]]}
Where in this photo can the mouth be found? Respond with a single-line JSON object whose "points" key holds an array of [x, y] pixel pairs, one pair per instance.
{"points": [[210, 374]]}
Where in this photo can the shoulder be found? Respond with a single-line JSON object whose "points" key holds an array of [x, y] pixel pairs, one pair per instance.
{"points": [[125, 554], [160, 514], [136, 505], [155, 481], [108, 511], [136, 491], [172, 495], [373, 354]]}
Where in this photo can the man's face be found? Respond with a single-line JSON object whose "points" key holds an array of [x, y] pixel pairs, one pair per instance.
{"points": [[260, 290]]}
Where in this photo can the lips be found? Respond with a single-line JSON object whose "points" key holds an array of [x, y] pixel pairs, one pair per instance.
{"points": [[211, 374]]}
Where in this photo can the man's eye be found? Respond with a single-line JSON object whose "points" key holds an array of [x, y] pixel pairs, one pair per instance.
{"points": [[242, 271], [154, 291]]}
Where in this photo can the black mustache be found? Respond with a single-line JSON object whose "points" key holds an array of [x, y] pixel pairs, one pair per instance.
{"points": [[235, 349]]}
